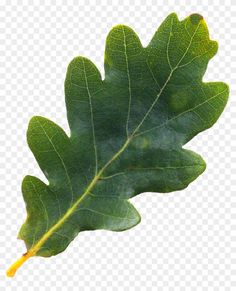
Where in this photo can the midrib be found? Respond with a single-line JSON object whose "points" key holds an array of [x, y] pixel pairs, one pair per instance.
{"points": [[12, 270], [72, 209], [31, 252]]}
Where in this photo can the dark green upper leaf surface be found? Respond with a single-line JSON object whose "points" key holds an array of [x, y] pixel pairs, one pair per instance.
{"points": [[127, 133]]}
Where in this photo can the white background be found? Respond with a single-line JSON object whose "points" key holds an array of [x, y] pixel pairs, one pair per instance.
{"points": [[186, 240]]}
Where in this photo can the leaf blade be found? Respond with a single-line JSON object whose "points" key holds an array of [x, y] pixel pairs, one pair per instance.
{"points": [[127, 133]]}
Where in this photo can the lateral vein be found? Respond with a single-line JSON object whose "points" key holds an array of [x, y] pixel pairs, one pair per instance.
{"points": [[92, 120], [61, 159], [129, 83]]}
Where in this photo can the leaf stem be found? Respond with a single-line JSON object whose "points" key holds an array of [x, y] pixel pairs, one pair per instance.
{"points": [[12, 270], [14, 267]]}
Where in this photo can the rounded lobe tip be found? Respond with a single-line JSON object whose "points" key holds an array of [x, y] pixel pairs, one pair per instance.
{"points": [[196, 18]]}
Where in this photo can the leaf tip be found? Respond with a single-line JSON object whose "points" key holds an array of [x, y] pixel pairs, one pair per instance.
{"points": [[34, 120], [195, 18], [204, 165], [139, 219], [32, 123], [173, 14], [227, 88]]}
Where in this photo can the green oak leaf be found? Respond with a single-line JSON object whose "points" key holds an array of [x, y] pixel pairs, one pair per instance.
{"points": [[127, 133]]}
